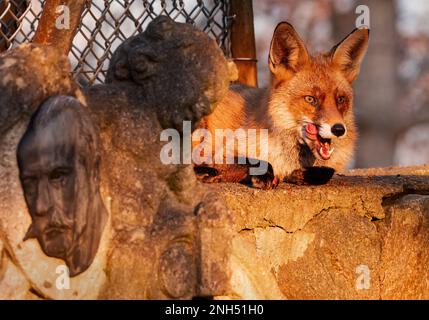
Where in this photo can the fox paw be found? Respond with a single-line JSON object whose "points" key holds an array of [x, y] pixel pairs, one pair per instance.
{"points": [[311, 176], [266, 181], [261, 182], [237, 173], [207, 174]]}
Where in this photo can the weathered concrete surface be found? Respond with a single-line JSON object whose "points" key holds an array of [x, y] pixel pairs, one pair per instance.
{"points": [[162, 222], [49, 75], [312, 242]]}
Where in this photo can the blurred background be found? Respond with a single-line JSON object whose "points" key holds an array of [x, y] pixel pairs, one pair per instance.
{"points": [[391, 93], [392, 90]]}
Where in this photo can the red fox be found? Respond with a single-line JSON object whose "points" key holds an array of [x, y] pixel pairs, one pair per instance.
{"points": [[308, 109]]}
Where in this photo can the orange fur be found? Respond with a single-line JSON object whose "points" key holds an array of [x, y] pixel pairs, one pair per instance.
{"points": [[283, 109]]}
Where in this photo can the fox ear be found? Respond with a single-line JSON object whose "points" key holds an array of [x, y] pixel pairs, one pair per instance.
{"points": [[349, 53], [287, 51]]}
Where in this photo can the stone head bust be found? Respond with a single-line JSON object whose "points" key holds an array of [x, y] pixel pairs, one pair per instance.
{"points": [[58, 159], [180, 71]]}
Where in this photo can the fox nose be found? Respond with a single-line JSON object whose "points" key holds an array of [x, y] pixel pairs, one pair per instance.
{"points": [[338, 130]]}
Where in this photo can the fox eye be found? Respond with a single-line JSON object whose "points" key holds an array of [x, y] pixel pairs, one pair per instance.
{"points": [[311, 100], [341, 100]]}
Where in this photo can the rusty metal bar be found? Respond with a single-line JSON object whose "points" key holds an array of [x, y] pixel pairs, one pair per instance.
{"points": [[48, 31], [243, 46]]}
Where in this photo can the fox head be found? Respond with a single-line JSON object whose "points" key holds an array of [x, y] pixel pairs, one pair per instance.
{"points": [[313, 94]]}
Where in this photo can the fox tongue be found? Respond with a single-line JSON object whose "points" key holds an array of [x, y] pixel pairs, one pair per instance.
{"points": [[311, 129], [324, 145], [325, 149]]}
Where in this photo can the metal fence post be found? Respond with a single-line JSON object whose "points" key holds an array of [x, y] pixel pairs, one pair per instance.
{"points": [[243, 48], [48, 31]]}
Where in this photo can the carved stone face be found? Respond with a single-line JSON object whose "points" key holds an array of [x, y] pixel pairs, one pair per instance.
{"points": [[59, 176], [48, 175]]}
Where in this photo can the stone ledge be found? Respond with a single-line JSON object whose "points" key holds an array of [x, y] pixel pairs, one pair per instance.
{"points": [[306, 242]]}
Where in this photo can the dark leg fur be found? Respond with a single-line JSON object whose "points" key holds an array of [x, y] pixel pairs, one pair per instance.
{"points": [[236, 173], [311, 176]]}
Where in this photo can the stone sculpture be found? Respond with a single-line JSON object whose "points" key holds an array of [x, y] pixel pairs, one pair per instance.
{"points": [[160, 219], [59, 160]]}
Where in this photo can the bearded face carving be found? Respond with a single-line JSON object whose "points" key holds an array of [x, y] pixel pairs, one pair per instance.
{"points": [[58, 160]]}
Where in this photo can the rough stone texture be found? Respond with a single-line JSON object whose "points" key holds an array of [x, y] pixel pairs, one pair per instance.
{"points": [[309, 241], [170, 73], [30, 74]]}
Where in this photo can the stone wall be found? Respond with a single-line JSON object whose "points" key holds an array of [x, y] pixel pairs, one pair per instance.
{"points": [[364, 235]]}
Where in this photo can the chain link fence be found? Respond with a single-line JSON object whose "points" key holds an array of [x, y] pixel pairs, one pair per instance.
{"points": [[18, 21], [105, 24]]}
